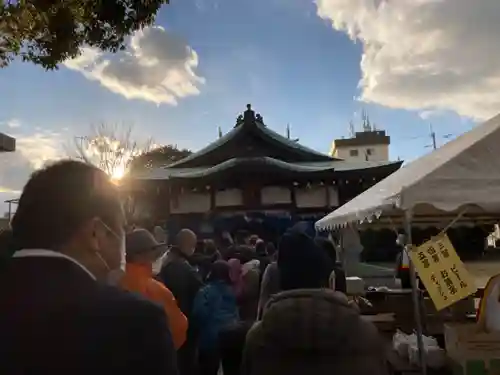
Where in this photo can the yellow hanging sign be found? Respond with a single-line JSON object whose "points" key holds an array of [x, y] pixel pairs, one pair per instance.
{"points": [[442, 272]]}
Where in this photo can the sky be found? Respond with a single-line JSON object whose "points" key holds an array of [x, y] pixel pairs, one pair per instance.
{"points": [[312, 64]]}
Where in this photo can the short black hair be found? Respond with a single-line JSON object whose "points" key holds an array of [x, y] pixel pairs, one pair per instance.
{"points": [[270, 248], [220, 271], [260, 248], [241, 236], [210, 247], [58, 199]]}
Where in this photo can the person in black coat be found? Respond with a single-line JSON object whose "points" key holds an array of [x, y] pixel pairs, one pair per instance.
{"points": [[184, 282], [58, 316]]}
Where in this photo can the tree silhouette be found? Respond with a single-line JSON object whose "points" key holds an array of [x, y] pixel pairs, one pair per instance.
{"points": [[110, 147], [157, 157]]}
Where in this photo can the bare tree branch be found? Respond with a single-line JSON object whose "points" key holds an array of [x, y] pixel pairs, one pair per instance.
{"points": [[109, 147]]}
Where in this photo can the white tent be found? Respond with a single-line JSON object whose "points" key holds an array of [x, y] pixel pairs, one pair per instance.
{"points": [[464, 172]]}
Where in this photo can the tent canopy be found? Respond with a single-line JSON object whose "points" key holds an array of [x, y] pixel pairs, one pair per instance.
{"points": [[463, 173]]}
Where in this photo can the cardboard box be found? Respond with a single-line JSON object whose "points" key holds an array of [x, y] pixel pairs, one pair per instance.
{"points": [[472, 352], [355, 286]]}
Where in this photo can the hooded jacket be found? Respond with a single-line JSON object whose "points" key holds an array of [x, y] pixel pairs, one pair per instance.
{"points": [[214, 308]]}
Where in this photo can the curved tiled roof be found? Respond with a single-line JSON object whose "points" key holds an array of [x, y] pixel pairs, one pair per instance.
{"points": [[165, 173], [265, 132]]}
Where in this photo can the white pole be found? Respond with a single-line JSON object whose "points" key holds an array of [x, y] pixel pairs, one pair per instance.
{"points": [[415, 293]]}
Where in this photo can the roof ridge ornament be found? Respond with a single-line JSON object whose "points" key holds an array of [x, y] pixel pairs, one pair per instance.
{"points": [[248, 117]]}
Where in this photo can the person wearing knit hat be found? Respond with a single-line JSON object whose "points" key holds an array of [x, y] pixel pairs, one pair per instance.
{"points": [[307, 327], [301, 263]]}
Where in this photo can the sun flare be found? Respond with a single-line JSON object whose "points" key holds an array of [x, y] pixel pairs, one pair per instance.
{"points": [[118, 173]]}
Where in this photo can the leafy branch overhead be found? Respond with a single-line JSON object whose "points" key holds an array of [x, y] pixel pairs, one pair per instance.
{"points": [[48, 32], [160, 156]]}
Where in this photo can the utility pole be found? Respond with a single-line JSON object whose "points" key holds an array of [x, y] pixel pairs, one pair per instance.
{"points": [[433, 137], [432, 134]]}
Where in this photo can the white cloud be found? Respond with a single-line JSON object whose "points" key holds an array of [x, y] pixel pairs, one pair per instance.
{"points": [[427, 114], [32, 152], [13, 123], [157, 67], [425, 54]]}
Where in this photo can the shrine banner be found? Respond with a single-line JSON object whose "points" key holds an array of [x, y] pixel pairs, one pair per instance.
{"points": [[442, 272]]}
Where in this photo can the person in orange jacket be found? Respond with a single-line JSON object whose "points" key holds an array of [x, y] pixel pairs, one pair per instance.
{"points": [[144, 253]]}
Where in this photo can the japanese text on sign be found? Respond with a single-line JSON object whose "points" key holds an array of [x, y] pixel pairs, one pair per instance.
{"points": [[442, 272]]}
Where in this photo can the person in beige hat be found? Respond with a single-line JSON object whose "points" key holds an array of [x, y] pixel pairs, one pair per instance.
{"points": [[143, 251]]}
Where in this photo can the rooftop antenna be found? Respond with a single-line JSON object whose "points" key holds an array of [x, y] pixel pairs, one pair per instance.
{"points": [[220, 132], [366, 122], [288, 131], [351, 129]]}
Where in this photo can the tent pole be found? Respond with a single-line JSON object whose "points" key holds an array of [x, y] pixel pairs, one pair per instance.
{"points": [[415, 293]]}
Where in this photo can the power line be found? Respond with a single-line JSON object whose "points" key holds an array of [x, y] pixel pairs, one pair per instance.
{"points": [[432, 135]]}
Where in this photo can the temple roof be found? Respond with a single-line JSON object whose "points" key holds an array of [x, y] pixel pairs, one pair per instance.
{"points": [[250, 137], [252, 148], [261, 163]]}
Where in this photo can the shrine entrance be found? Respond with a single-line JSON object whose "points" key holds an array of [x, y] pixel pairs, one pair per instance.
{"points": [[268, 226]]}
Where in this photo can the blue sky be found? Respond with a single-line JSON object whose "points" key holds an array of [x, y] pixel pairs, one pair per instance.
{"points": [[306, 63]]}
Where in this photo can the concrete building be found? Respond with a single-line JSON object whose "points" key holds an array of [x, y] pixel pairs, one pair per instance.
{"points": [[368, 145], [7, 144]]}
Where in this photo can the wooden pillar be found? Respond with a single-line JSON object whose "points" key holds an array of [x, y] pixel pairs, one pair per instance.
{"points": [[293, 197], [168, 193]]}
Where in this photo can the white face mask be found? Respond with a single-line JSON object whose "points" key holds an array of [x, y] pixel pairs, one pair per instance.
{"points": [[123, 253], [115, 273], [157, 265]]}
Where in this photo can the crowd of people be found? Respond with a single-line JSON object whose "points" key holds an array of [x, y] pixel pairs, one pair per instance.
{"points": [[84, 293]]}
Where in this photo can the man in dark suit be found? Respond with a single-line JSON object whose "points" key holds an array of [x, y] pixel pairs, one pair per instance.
{"points": [[57, 313]]}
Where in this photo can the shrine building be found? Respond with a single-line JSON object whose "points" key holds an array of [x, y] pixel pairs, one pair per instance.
{"points": [[252, 175]]}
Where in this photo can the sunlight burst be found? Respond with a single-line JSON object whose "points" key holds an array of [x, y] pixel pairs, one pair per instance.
{"points": [[118, 173], [110, 153]]}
